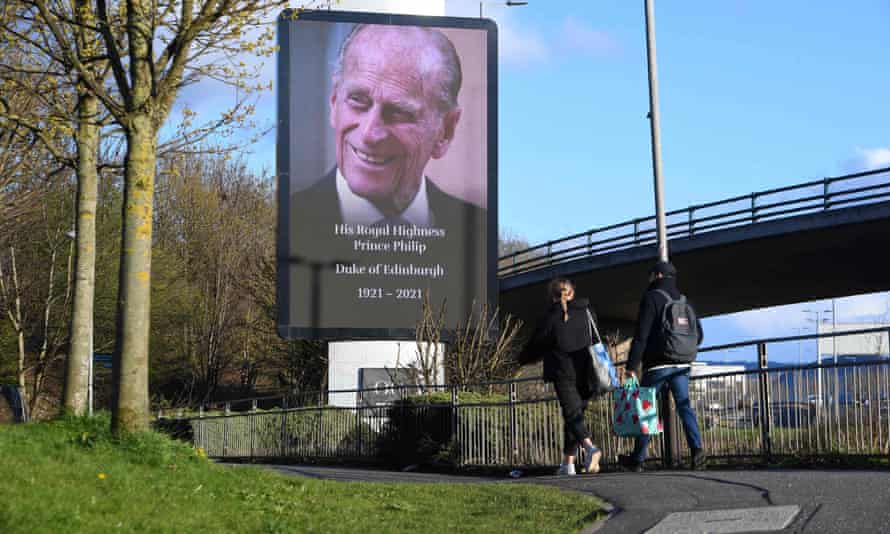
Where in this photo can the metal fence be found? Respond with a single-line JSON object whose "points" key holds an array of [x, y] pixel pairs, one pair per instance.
{"points": [[810, 197], [819, 410]]}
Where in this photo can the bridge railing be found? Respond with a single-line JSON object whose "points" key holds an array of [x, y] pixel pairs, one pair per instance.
{"points": [[810, 197], [836, 410]]}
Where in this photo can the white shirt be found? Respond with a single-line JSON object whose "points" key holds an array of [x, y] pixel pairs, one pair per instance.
{"points": [[359, 210], [669, 365]]}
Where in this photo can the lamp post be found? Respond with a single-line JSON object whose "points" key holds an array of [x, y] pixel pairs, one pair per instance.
{"points": [[819, 382], [798, 331], [508, 3], [671, 447], [834, 329], [653, 116]]}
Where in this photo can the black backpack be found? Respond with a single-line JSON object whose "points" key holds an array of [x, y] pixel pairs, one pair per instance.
{"points": [[679, 330]]}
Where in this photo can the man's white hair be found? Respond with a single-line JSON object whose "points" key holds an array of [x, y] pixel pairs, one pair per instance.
{"points": [[444, 61]]}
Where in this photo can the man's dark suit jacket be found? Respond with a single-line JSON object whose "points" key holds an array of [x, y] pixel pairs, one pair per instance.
{"points": [[315, 211], [319, 204]]}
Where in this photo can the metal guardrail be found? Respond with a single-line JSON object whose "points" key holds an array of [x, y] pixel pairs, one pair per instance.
{"points": [[810, 197], [819, 410]]}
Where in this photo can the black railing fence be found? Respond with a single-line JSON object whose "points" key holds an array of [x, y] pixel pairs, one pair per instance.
{"points": [[810, 197], [761, 413]]}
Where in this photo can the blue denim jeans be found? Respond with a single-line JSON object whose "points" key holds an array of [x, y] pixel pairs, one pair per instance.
{"points": [[676, 378]]}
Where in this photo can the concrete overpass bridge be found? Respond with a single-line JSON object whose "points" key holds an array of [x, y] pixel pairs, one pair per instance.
{"points": [[814, 240]]}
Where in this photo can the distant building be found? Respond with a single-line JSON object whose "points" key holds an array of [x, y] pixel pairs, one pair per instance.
{"points": [[876, 343], [718, 389]]}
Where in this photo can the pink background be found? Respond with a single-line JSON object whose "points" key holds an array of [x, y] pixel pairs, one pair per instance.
{"points": [[463, 170]]}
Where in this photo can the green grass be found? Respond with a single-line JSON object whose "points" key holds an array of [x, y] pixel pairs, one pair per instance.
{"points": [[71, 475]]}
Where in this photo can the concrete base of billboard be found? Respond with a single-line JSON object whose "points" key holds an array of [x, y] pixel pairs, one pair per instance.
{"points": [[346, 359]]}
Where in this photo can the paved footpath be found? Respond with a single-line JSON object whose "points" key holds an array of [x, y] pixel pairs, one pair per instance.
{"points": [[804, 501]]}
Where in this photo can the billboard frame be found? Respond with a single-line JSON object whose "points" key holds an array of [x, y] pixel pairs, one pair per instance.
{"points": [[283, 165]]}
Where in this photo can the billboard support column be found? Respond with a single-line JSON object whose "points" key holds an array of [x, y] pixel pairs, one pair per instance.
{"points": [[362, 372]]}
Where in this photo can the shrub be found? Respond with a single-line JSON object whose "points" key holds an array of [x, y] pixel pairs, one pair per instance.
{"points": [[420, 429]]}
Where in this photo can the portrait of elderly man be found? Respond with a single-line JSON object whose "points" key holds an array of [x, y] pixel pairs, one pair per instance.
{"points": [[393, 108], [387, 173]]}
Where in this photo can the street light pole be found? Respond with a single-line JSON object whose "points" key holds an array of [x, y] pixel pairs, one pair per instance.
{"points": [[834, 328], [820, 386], [660, 225], [671, 452], [508, 3]]}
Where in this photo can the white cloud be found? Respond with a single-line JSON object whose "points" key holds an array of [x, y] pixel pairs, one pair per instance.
{"points": [[873, 158], [783, 320], [579, 37], [519, 44], [863, 307], [765, 322]]}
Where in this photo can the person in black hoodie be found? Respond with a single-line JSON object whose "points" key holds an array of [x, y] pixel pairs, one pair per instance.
{"points": [[562, 337], [648, 363]]}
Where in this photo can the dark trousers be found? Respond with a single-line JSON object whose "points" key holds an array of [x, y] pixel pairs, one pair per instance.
{"points": [[573, 399]]}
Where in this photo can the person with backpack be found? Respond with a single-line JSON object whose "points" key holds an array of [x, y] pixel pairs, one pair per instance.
{"points": [[665, 344], [562, 338]]}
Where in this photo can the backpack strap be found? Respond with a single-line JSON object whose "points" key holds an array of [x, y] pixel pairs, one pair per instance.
{"points": [[666, 295], [664, 310]]}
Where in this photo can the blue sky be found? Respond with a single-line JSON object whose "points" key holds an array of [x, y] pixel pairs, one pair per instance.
{"points": [[754, 95]]}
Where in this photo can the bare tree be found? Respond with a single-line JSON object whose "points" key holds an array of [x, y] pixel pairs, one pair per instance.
{"points": [[20, 150], [153, 49], [35, 290], [509, 242], [485, 348], [428, 335], [298, 365], [213, 216], [68, 123]]}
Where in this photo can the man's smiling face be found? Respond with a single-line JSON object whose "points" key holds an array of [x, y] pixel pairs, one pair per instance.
{"points": [[385, 115]]}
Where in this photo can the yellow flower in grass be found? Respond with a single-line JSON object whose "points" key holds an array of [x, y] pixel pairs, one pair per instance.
{"points": [[102, 476], [200, 452]]}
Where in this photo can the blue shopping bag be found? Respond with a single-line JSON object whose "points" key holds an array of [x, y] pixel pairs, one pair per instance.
{"points": [[604, 378], [635, 411]]}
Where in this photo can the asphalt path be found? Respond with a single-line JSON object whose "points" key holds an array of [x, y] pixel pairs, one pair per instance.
{"points": [[830, 501]]}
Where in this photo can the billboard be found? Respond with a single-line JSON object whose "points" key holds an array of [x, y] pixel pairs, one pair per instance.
{"points": [[387, 171], [382, 383]]}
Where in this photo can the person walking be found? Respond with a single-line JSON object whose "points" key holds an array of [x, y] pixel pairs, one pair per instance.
{"points": [[666, 340], [562, 337]]}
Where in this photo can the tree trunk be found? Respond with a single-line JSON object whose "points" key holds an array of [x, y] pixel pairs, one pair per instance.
{"points": [[15, 316], [77, 372], [130, 369], [20, 366]]}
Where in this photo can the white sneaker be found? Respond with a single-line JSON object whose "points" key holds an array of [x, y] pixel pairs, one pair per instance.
{"points": [[566, 470], [591, 462]]}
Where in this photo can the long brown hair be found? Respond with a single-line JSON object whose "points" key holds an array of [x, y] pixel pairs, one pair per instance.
{"points": [[554, 289]]}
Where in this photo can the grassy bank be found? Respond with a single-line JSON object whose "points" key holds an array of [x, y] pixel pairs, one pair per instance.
{"points": [[71, 475]]}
